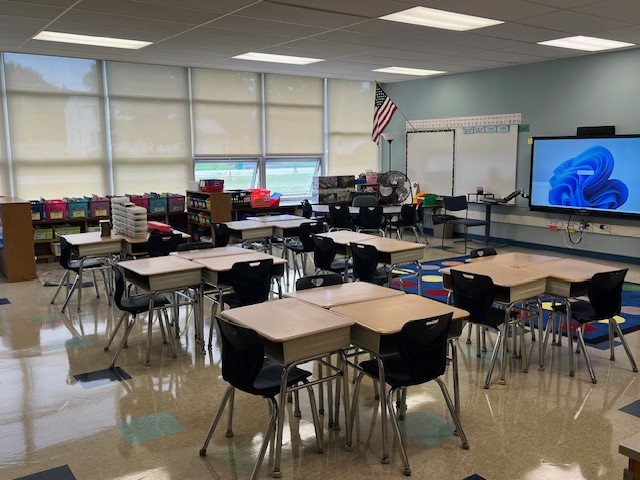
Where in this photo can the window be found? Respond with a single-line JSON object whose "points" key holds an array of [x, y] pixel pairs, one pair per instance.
{"points": [[238, 174], [292, 178]]}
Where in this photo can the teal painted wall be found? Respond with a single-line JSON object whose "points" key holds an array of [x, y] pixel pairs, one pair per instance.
{"points": [[554, 98]]}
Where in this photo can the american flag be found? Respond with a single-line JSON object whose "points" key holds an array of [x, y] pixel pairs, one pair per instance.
{"points": [[383, 110]]}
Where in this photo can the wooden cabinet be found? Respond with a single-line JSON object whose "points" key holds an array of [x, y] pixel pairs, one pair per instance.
{"points": [[17, 257], [205, 209]]}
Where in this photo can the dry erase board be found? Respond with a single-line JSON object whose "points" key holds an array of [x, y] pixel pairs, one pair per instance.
{"points": [[476, 158]]}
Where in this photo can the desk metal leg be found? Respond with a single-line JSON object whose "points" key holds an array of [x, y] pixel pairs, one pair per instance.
{"points": [[383, 410], [151, 307]]}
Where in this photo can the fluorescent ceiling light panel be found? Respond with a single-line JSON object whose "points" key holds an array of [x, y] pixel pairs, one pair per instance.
{"points": [[269, 57], [408, 71], [90, 40], [589, 44], [430, 17]]}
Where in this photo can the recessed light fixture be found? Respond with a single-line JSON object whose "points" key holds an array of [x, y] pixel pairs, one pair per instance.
{"points": [[408, 71], [589, 44], [90, 40], [269, 57], [430, 17]]}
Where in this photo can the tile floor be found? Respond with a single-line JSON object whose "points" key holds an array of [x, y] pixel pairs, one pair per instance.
{"points": [[62, 417]]}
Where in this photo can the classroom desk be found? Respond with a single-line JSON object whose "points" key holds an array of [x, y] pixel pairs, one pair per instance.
{"points": [[244, 230], [631, 448], [378, 321], [343, 294], [343, 238], [216, 269], [513, 285], [165, 274], [288, 228], [211, 252], [91, 244], [515, 259], [394, 252], [296, 332], [136, 246], [275, 218], [568, 278], [386, 209]]}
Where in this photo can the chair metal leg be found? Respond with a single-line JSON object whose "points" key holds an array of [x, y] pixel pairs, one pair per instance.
{"points": [[454, 414], [63, 281], [232, 399], [115, 330], [70, 291], [396, 431], [130, 323], [225, 398], [494, 356], [586, 354], [625, 345], [316, 422]]}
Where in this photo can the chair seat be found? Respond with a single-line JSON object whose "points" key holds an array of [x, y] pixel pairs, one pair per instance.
{"points": [[469, 222], [297, 247], [74, 265], [140, 303], [267, 384], [396, 372], [493, 317], [581, 311]]}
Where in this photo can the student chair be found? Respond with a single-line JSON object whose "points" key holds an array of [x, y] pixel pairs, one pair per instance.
{"points": [[339, 218], [365, 264], [459, 204], [421, 357], [161, 245], [408, 219], [303, 245], [245, 368], [185, 247], [313, 281], [324, 256], [370, 219], [221, 234]]}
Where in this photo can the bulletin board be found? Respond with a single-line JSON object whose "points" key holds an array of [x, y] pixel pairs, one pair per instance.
{"points": [[457, 161]]}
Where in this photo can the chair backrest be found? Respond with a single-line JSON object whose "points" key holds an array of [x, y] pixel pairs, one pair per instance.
{"points": [[605, 293], [221, 234], [365, 201], [482, 252], [118, 292], [161, 246], [422, 346], [307, 209], [65, 253], [365, 260], [339, 216], [473, 293], [185, 247], [314, 281], [370, 217], [242, 355], [324, 252], [306, 232], [408, 214], [251, 281], [455, 204]]}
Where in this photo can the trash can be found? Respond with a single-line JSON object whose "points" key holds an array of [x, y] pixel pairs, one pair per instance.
{"points": [[439, 226]]}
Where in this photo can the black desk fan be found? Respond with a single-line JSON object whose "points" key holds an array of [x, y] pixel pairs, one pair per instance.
{"points": [[394, 188]]}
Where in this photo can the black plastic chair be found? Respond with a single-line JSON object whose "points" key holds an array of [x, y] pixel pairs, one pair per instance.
{"points": [[365, 200], [314, 281], [421, 358], [133, 306], [88, 265], [159, 245], [251, 284], [221, 234], [605, 302], [475, 294], [339, 218], [365, 264], [185, 247], [245, 368], [482, 252], [304, 243], [459, 204], [324, 256], [370, 220], [408, 219]]}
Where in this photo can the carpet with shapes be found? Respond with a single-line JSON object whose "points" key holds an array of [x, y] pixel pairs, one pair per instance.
{"points": [[597, 332]]}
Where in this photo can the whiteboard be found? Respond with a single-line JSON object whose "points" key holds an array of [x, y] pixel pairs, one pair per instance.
{"points": [[452, 162], [430, 161], [485, 160]]}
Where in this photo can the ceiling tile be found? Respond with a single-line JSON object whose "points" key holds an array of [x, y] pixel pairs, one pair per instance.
{"points": [[573, 22]]}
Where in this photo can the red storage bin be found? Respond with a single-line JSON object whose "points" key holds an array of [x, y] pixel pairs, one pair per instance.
{"points": [[211, 186], [55, 209], [139, 200], [260, 197]]}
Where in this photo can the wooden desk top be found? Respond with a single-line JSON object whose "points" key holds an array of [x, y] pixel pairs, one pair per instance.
{"points": [[571, 270], [386, 316], [286, 319], [144, 240], [211, 252], [515, 259], [502, 275], [391, 245], [345, 237], [343, 294], [631, 447], [275, 218], [159, 265], [386, 209], [240, 225], [291, 223], [224, 263], [90, 238]]}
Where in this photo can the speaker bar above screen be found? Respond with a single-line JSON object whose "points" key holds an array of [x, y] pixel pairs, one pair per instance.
{"points": [[596, 131]]}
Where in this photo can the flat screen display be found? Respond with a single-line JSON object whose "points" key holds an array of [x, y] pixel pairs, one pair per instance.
{"points": [[586, 175]]}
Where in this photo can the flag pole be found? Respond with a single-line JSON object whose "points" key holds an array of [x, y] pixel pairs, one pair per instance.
{"points": [[413, 129]]}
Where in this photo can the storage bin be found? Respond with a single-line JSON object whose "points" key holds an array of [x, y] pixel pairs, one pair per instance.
{"points": [[240, 198], [55, 248], [55, 209], [274, 199], [42, 233], [59, 230], [99, 206], [37, 210], [139, 200], [175, 203], [260, 197], [157, 203], [77, 207], [212, 185]]}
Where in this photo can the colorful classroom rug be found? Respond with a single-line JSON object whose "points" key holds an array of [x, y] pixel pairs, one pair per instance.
{"points": [[597, 332]]}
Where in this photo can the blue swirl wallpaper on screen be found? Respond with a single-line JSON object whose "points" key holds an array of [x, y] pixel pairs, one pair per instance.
{"points": [[587, 173]]}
